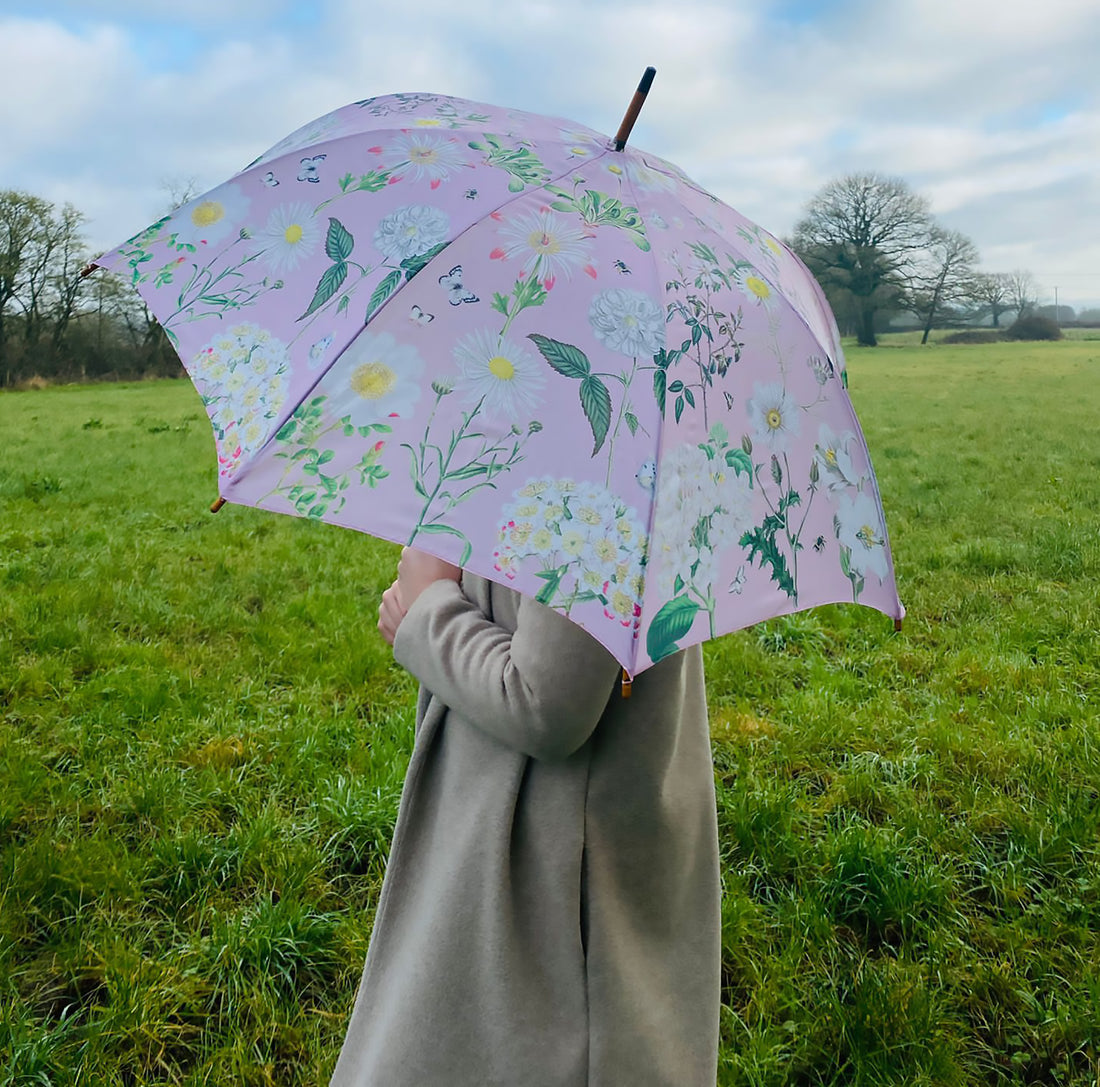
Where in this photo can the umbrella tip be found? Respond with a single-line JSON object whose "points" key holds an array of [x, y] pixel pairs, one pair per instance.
{"points": [[634, 108], [217, 504], [897, 626]]}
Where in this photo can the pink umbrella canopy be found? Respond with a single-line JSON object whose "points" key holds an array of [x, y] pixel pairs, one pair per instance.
{"points": [[506, 340]]}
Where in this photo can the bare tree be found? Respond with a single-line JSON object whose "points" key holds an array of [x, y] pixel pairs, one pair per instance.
{"points": [[943, 275], [1022, 292], [859, 236], [51, 280], [992, 293], [66, 285], [180, 190]]}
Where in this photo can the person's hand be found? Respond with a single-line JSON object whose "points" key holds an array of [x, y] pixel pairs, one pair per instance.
{"points": [[417, 570], [390, 612]]}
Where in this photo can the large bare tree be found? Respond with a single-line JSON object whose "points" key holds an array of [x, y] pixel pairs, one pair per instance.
{"points": [[943, 275], [991, 292], [1022, 292], [860, 236]]}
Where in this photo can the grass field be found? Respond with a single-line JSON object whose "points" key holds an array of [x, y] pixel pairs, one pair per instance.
{"points": [[912, 339], [203, 737]]}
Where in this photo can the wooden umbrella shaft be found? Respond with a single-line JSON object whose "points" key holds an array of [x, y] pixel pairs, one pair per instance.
{"points": [[634, 108]]}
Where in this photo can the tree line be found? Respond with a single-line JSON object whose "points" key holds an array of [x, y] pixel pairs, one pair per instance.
{"points": [[871, 241], [877, 251], [56, 324]]}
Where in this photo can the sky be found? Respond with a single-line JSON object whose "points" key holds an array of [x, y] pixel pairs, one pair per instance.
{"points": [[989, 109]]}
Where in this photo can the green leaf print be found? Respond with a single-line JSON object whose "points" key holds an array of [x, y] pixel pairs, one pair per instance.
{"points": [[437, 529], [304, 482], [660, 378], [704, 252], [596, 402], [383, 291], [761, 544], [669, 625], [525, 167], [553, 579], [601, 209], [739, 461], [569, 361], [338, 243], [329, 283], [411, 265], [375, 181]]}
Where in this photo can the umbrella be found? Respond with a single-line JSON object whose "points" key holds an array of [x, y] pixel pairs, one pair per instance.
{"points": [[541, 355]]}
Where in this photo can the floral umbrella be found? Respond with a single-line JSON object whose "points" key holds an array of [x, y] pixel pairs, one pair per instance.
{"points": [[506, 340]]}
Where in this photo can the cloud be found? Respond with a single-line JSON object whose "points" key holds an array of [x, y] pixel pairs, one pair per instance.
{"points": [[51, 84]]}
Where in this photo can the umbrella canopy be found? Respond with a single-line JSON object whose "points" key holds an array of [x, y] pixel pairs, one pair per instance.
{"points": [[503, 339]]}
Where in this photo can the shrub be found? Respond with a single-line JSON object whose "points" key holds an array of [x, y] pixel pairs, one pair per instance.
{"points": [[974, 335], [1034, 327]]}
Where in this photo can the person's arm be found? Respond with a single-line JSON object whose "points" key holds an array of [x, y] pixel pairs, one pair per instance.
{"points": [[540, 690]]}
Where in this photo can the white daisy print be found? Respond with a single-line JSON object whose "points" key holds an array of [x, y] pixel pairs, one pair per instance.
{"points": [[775, 416], [505, 377], [646, 178], [860, 531], [211, 218], [425, 155], [835, 460], [291, 234], [758, 290], [582, 144], [411, 231], [381, 379], [549, 245], [627, 321]]}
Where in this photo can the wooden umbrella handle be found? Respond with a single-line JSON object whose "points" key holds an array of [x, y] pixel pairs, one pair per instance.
{"points": [[627, 683], [634, 108]]}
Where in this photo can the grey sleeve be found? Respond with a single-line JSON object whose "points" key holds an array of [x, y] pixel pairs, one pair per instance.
{"points": [[541, 690]]}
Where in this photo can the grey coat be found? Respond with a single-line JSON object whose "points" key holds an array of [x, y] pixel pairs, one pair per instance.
{"points": [[550, 915]]}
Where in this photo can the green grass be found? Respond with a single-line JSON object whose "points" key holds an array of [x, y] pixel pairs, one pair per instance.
{"points": [[202, 741], [912, 338]]}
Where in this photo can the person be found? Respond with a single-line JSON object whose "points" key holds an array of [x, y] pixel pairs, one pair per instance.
{"points": [[550, 913]]}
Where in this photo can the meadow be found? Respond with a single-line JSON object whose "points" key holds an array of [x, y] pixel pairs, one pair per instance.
{"points": [[203, 738]]}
